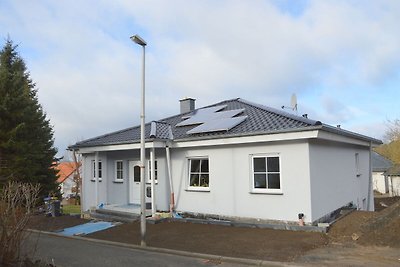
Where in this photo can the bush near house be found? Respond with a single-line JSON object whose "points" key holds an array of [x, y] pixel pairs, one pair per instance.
{"points": [[17, 201]]}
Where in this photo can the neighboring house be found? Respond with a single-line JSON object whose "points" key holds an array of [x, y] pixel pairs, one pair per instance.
{"points": [[232, 159], [67, 171], [393, 178], [380, 165]]}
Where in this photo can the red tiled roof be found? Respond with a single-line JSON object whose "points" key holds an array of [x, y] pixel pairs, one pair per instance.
{"points": [[65, 170]]}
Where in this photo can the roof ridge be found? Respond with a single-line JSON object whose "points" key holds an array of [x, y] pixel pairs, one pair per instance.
{"points": [[280, 112]]}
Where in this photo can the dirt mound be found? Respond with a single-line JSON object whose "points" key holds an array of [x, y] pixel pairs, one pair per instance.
{"points": [[348, 228], [369, 228], [382, 203], [383, 229]]}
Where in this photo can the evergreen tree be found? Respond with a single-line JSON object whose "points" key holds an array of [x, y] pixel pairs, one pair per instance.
{"points": [[26, 137]]}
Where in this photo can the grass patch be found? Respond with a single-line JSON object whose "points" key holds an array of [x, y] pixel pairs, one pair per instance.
{"points": [[68, 209]]}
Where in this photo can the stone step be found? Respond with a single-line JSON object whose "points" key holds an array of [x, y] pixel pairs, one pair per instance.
{"points": [[114, 216]]}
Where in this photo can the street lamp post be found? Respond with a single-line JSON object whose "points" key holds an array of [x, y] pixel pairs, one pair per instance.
{"points": [[137, 39]]}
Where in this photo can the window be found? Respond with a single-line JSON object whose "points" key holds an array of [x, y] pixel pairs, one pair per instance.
{"points": [[119, 170], [357, 162], [266, 174], [155, 171], [94, 168], [199, 174]]}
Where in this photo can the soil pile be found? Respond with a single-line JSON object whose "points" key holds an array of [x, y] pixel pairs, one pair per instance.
{"points": [[382, 203], [348, 228], [383, 229], [369, 228]]}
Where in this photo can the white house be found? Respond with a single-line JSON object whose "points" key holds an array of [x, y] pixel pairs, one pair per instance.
{"points": [[380, 165], [66, 172], [233, 159], [392, 175]]}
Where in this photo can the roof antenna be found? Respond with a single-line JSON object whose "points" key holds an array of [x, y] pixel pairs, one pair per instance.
{"points": [[293, 103]]}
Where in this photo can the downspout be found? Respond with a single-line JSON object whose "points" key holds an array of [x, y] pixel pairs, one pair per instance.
{"points": [[172, 197], [152, 175], [370, 176], [96, 180], [391, 193]]}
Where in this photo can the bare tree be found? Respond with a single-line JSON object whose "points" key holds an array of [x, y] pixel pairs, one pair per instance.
{"points": [[393, 130], [16, 203], [77, 177]]}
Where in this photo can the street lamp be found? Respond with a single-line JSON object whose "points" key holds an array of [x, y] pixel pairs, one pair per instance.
{"points": [[137, 39]]}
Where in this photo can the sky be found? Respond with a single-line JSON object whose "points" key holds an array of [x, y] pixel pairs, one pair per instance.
{"points": [[340, 58]]}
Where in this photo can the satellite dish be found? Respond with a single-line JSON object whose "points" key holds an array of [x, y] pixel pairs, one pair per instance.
{"points": [[293, 102]]}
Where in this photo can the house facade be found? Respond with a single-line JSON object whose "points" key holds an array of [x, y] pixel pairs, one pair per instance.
{"points": [[380, 165], [232, 159], [392, 176], [66, 172]]}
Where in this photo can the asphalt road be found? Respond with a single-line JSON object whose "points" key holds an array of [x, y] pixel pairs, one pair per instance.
{"points": [[66, 252]]}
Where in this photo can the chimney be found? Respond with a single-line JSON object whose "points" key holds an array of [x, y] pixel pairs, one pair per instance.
{"points": [[187, 104]]}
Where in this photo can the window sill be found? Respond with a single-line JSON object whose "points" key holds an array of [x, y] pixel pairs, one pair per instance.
{"points": [[93, 180], [118, 181], [149, 183], [266, 192], [200, 189]]}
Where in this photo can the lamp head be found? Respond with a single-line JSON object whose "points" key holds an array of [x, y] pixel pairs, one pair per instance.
{"points": [[137, 39]]}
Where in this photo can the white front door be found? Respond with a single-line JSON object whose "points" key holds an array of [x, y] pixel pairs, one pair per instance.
{"points": [[134, 182]]}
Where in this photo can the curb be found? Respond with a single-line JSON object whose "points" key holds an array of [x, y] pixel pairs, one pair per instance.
{"points": [[171, 251]]}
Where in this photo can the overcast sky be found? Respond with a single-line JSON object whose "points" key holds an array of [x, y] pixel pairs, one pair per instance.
{"points": [[341, 59]]}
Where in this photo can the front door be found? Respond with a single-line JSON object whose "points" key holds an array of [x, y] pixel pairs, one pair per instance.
{"points": [[134, 182]]}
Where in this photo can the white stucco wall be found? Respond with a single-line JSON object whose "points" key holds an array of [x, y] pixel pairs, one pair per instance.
{"points": [[111, 192], [379, 182], [66, 186], [230, 182], [334, 179], [88, 186], [394, 186], [317, 177]]}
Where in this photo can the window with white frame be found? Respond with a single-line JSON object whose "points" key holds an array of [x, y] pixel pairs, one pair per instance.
{"points": [[199, 175], [119, 170], [99, 173], [266, 173], [155, 171]]}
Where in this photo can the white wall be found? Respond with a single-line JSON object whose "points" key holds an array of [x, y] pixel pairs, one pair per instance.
{"points": [[89, 187], [379, 182], [66, 186], [394, 186], [111, 192], [334, 180], [230, 182]]}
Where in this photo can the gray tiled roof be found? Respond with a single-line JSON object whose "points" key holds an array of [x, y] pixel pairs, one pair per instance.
{"points": [[393, 171], [380, 163], [260, 120]]}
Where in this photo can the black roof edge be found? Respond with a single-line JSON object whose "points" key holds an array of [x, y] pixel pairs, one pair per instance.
{"points": [[348, 133], [78, 144]]}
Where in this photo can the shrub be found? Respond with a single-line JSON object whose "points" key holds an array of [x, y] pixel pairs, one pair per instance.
{"points": [[17, 201]]}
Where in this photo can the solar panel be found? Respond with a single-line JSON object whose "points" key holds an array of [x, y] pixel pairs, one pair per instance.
{"points": [[217, 125], [212, 119], [200, 116]]}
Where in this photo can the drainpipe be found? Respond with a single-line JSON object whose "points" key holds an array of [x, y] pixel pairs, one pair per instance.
{"points": [[96, 176], [370, 176], [172, 198], [152, 175]]}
